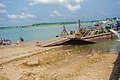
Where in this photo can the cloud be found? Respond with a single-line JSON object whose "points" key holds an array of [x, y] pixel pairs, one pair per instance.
{"points": [[25, 8], [73, 8], [2, 5], [1, 22], [34, 2], [21, 16], [55, 13], [71, 5], [104, 13], [118, 2], [3, 11]]}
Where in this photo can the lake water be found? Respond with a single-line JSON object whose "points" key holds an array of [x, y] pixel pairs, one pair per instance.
{"points": [[36, 33], [44, 33]]}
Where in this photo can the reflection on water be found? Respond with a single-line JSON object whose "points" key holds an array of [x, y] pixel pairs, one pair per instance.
{"points": [[115, 47], [118, 40], [112, 45]]}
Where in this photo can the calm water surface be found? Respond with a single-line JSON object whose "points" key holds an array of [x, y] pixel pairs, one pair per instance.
{"points": [[35, 33]]}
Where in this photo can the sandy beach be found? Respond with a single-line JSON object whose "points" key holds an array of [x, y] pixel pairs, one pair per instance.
{"points": [[14, 51], [59, 40], [54, 63]]}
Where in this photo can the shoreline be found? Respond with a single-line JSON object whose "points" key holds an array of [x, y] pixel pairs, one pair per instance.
{"points": [[23, 49]]}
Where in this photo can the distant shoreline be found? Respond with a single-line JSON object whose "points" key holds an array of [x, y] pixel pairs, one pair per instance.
{"points": [[46, 24], [57, 23], [38, 25]]}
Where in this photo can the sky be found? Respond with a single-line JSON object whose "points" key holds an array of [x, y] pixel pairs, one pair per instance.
{"points": [[27, 12]]}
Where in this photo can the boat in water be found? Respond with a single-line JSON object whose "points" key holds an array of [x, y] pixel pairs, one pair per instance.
{"points": [[92, 34], [82, 35]]}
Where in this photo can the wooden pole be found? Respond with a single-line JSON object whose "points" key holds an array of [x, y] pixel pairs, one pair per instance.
{"points": [[111, 35], [79, 23], [64, 31]]}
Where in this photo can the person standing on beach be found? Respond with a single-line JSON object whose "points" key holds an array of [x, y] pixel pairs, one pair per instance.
{"points": [[21, 39]]}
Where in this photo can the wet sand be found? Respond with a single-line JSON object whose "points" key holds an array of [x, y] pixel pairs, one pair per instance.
{"points": [[57, 63]]}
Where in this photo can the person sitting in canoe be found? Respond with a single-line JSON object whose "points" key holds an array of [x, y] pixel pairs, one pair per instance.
{"points": [[101, 29], [107, 28]]}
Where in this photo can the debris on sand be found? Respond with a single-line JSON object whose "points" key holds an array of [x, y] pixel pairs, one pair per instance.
{"points": [[61, 64], [31, 63], [28, 76], [3, 78]]}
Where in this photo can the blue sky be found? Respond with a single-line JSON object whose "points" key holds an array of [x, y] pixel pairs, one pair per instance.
{"points": [[27, 12]]}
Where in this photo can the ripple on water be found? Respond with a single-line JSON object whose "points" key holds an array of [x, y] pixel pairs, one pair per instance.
{"points": [[118, 40], [112, 45]]}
